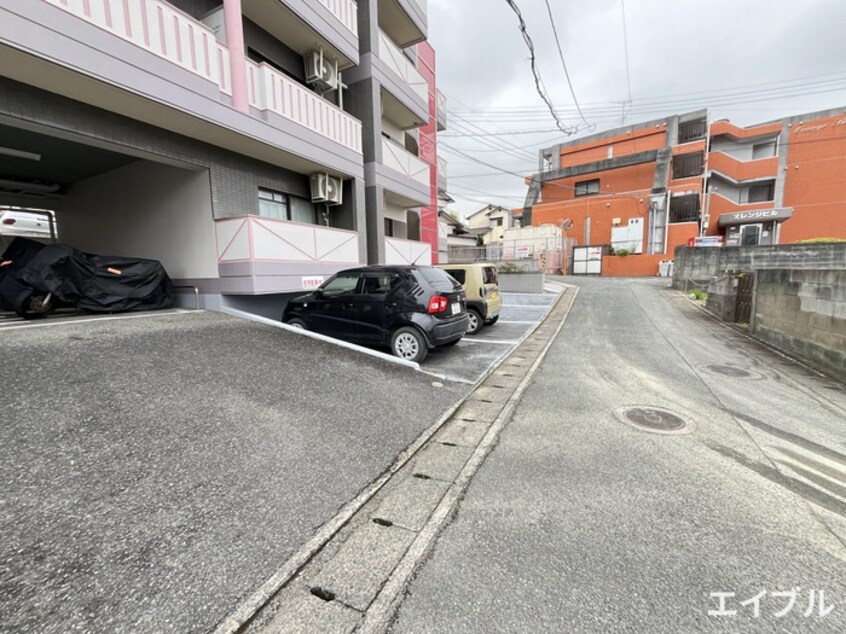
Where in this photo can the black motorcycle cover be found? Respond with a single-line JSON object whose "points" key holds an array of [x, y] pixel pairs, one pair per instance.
{"points": [[95, 283]]}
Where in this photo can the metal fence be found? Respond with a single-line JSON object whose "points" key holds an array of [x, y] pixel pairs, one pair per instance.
{"points": [[540, 255]]}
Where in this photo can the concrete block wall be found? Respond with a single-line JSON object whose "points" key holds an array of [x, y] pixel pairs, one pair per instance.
{"points": [[701, 265], [803, 312]]}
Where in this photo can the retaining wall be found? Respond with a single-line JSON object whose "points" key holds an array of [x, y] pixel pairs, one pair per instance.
{"points": [[803, 312], [698, 266]]}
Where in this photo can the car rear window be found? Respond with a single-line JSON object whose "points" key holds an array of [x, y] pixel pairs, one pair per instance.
{"points": [[489, 274], [440, 280]]}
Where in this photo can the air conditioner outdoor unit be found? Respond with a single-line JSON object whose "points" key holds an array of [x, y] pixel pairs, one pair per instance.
{"points": [[326, 189], [321, 71]]}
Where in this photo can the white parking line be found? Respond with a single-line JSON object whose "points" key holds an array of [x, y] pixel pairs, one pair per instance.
{"points": [[65, 322], [504, 343], [525, 305], [503, 321]]}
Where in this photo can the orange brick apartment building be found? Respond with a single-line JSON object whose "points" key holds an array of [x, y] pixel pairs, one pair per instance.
{"points": [[651, 187]]}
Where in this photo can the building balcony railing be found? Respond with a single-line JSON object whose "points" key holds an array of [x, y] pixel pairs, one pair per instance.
{"points": [[719, 128], [400, 252], [162, 29], [270, 90], [255, 238], [401, 160], [739, 170], [441, 108], [401, 66], [442, 174], [346, 11]]}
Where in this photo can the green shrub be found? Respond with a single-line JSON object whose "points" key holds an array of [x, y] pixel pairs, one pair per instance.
{"points": [[820, 241], [509, 267], [622, 252], [699, 295]]}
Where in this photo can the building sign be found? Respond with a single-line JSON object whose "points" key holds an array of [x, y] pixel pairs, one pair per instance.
{"points": [[707, 241], [310, 283], [758, 215], [522, 251]]}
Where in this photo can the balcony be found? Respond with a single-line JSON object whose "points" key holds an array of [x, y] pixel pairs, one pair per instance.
{"points": [[261, 255], [271, 91], [403, 174], [160, 28], [147, 60], [405, 20], [399, 252], [401, 79], [727, 128], [306, 25], [739, 171], [441, 111], [442, 174]]}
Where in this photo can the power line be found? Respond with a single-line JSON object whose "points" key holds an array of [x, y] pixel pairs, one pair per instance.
{"points": [[646, 109], [538, 81], [628, 72], [811, 79], [564, 65]]}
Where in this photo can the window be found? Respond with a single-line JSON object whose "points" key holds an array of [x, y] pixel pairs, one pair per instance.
{"points": [[496, 222], [273, 204], [692, 130], [389, 227], [760, 193], [341, 285], [379, 283], [684, 208], [460, 275], [587, 188], [688, 165], [280, 206], [489, 274]]}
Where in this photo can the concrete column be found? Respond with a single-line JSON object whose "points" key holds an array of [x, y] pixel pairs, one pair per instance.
{"points": [[374, 197], [237, 53]]}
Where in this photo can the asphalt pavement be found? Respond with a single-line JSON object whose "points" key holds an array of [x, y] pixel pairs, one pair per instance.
{"points": [[470, 358], [729, 520], [156, 469]]}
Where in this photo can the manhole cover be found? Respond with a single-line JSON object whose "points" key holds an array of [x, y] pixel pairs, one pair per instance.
{"points": [[654, 419]]}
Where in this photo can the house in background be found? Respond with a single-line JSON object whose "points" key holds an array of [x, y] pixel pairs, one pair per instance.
{"points": [[453, 234], [490, 222], [650, 187], [254, 147]]}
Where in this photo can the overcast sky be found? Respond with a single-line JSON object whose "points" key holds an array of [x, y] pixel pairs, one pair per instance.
{"points": [[741, 58]]}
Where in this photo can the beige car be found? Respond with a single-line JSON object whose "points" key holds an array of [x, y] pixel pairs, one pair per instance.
{"points": [[480, 284]]}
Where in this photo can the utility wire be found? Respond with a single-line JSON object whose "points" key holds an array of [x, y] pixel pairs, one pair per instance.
{"points": [[781, 84], [527, 115], [538, 81], [628, 72], [564, 65]]}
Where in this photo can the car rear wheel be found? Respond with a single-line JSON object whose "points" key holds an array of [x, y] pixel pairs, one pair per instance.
{"points": [[476, 322], [407, 343], [296, 322]]}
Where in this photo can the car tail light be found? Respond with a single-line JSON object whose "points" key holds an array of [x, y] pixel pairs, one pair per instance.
{"points": [[8, 221], [437, 304]]}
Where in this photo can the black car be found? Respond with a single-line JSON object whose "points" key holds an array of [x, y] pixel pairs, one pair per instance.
{"points": [[411, 309]]}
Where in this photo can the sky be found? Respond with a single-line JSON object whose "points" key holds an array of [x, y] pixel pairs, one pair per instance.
{"points": [[746, 60]]}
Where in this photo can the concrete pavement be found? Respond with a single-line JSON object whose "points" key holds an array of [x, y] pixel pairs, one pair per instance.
{"points": [[579, 522]]}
